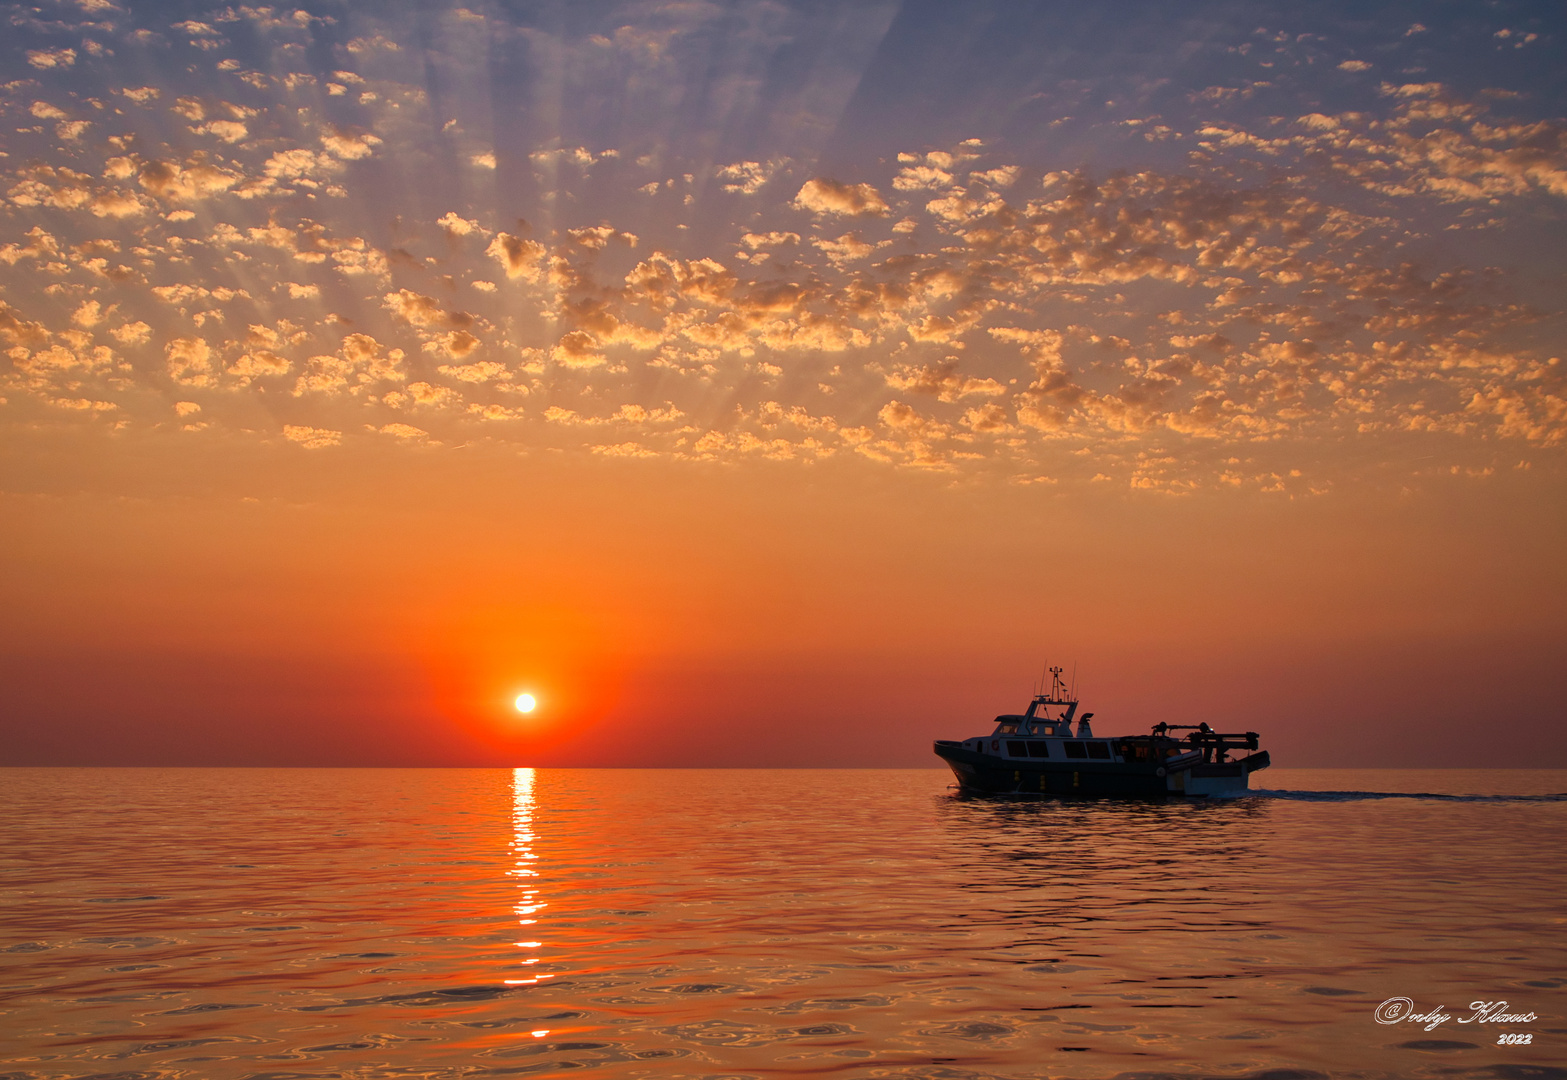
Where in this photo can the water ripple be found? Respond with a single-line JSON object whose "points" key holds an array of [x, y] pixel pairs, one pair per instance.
{"points": [[209, 924]]}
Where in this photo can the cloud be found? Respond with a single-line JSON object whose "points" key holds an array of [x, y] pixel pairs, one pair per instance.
{"points": [[986, 419], [747, 177], [349, 146], [519, 257], [829, 197], [363, 353], [769, 239], [419, 310], [403, 431], [916, 177], [83, 404], [51, 58], [44, 185], [456, 345], [259, 364], [312, 438], [358, 364], [1002, 177], [60, 358], [423, 395], [373, 43], [961, 208], [580, 156], [1257, 293], [459, 226], [577, 350], [414, 308], [354, 257], [190, 362], [494, 412], [847, 248], [941, 381], [185, 183], [88, 313], [230, 131], [624, 450], [481, 371], [40, 244], [597, 237], [116, 204], [195, 29], [132, 333], [1434, 144], [305, 169], [660, 280]]}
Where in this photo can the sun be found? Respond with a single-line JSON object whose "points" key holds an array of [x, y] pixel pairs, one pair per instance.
{"points": [[525, 703]]}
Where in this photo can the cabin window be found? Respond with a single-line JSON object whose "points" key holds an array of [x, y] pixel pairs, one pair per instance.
{"points": [[1038, 748], [1075, 750], [1017, 749], [1009, 729], [1099, 750]]}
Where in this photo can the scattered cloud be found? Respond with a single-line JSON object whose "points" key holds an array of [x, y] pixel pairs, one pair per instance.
{"points": [[748, 177], [311, 438], [978, 306], [349, 146], [831, 198], [51, 58], [520, 258]]}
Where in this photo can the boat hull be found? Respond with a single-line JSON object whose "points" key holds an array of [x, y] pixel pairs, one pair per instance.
{"points": [[994, 775]]}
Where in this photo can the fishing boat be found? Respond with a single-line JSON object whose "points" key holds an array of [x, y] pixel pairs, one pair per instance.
{"points": [[1038, 753]]}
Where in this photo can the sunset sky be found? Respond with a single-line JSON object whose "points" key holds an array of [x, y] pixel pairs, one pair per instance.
{"points": [[767, 383]]}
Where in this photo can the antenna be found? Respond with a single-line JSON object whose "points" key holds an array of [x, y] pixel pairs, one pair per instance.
{"points": [[1074, 680]]}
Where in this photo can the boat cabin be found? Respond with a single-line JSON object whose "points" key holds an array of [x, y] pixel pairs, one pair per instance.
{"points": [[1033, 737], [1049, 715]]}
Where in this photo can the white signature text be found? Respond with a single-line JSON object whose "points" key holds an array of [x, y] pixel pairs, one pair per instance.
{"points": [[1397, 1010]]}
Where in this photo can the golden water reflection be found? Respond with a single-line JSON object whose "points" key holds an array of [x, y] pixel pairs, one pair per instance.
{"points": [[525, 870]]}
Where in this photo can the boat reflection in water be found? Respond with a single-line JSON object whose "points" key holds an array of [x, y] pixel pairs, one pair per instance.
{"points": [[1037, 753], [1073, 872]]}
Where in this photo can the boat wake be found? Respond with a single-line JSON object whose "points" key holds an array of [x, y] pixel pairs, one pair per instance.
{"points": [[1359, 796]]}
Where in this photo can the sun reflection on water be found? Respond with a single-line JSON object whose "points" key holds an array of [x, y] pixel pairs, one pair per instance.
{"points": [[524, 868]]}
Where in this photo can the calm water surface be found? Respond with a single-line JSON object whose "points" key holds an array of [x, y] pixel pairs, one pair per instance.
{"points": [[726, 924]]}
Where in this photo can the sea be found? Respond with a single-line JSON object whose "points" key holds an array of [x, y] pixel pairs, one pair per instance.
{"points": [[729, 924]]}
